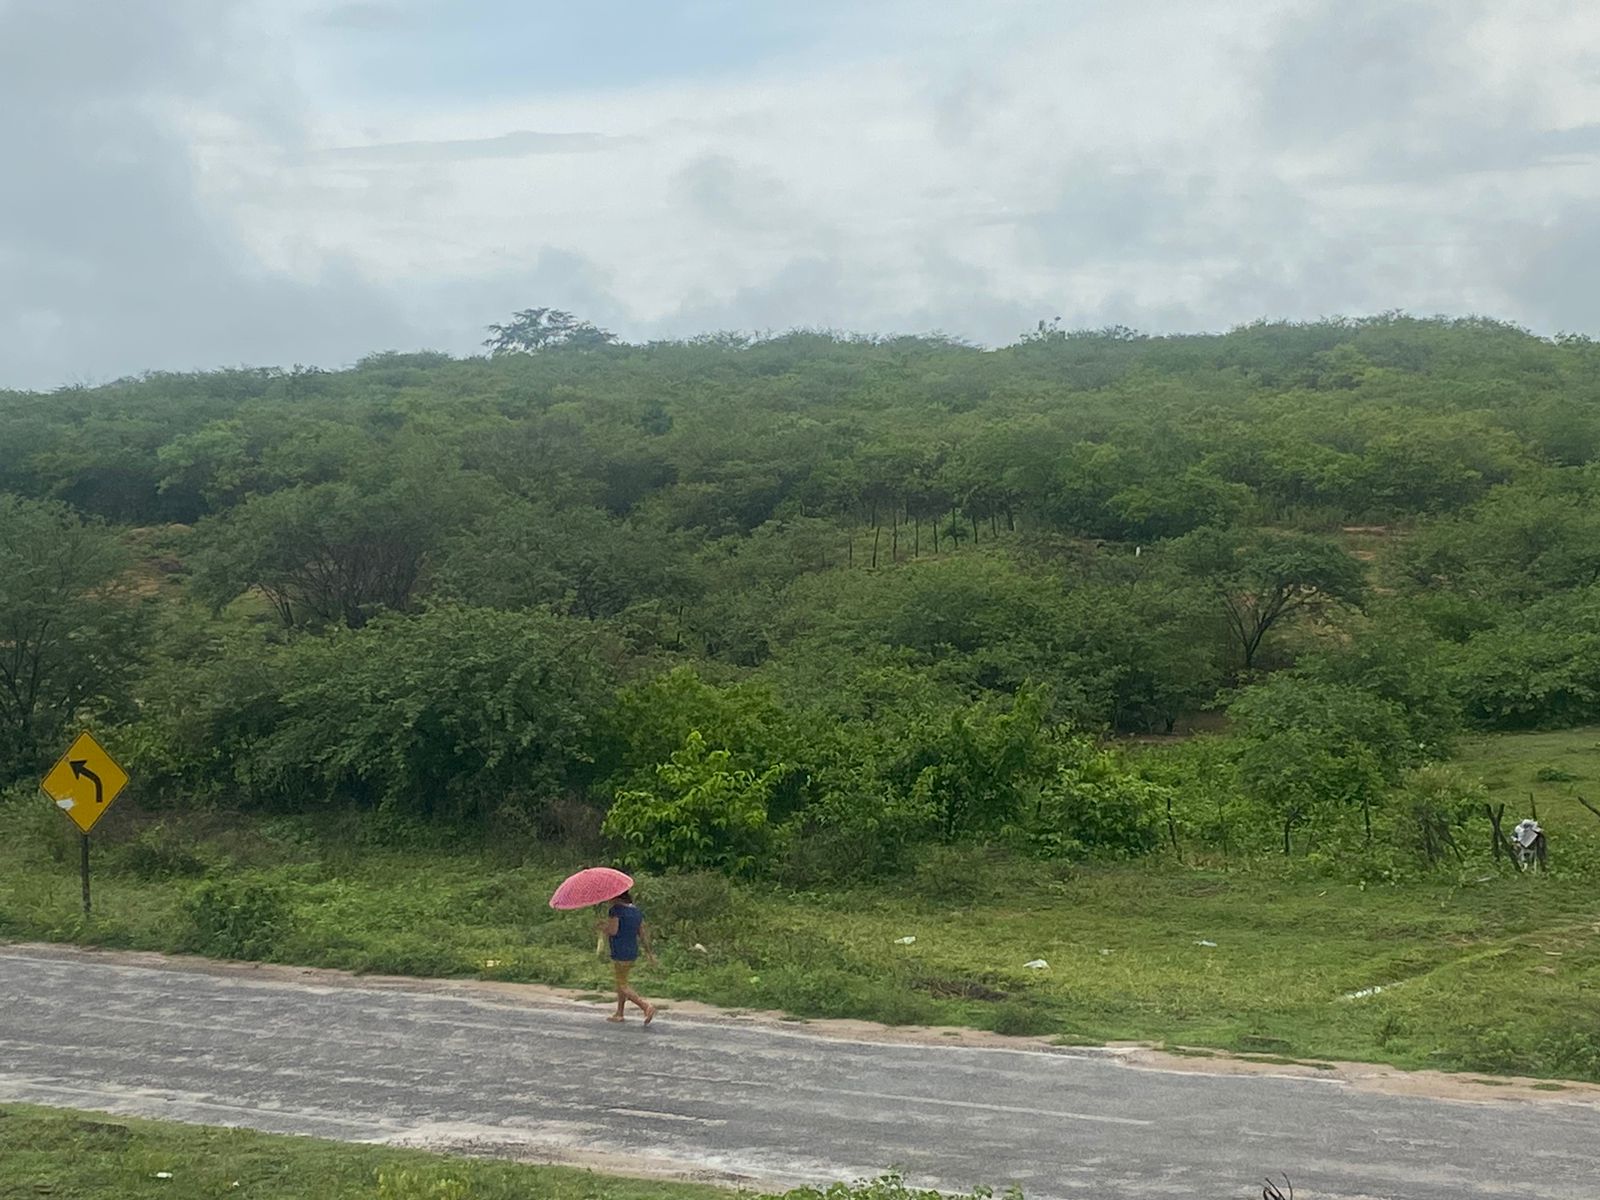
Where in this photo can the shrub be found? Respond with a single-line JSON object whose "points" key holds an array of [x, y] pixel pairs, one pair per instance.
{"points": [[860, 827], [159, 852], [1310, 751], [571, 821], [27, 818], [1539, 669], [1209, 804], [651, 720], [821, 856], [701, 815], [1399, 661], [885, 1187], [1021, 1017], [1554, 775], [1430, 811], [238, 918], [1097, 804], [972, 771], [444, 713], [689, 906]]}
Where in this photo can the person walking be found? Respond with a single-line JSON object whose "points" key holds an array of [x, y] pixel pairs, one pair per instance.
{"points": [[624, 926]]}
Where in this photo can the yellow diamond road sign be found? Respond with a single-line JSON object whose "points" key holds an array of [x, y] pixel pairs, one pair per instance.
{"points": [[85, 782]]}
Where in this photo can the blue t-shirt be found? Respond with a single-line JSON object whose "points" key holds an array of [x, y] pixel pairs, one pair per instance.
{"points": [[625, 942]]}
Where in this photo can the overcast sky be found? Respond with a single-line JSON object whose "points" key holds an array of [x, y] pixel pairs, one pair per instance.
{"points": [[197, 183]]}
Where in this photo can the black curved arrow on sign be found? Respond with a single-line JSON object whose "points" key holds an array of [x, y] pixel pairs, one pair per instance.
{"points": [[80, 768]]}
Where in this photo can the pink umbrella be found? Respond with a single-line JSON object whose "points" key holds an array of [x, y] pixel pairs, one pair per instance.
{"points": [[592, 885]]}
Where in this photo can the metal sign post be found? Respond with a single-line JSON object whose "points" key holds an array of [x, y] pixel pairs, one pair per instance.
{"points": [[85, 783]]}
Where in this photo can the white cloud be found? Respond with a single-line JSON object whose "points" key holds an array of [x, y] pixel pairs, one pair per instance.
{"points": [[900, 168]]}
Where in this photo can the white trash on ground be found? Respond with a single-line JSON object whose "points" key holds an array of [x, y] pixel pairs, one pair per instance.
{"points": [[905, 941], [1213, 945], [1037, 964]]}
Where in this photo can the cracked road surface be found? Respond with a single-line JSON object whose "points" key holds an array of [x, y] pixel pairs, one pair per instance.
{"points": [[731, 1101]]}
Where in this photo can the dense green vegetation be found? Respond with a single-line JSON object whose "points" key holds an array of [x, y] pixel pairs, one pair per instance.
{"points": [[87, 1156], [821, 613]]}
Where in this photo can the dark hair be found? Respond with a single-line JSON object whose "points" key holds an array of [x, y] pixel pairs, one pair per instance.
{"points": [[625, 898]]}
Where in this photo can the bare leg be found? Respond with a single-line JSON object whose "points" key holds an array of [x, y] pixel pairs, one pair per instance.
{"points": [[633, 997], [624, 992], [648, 1009]]}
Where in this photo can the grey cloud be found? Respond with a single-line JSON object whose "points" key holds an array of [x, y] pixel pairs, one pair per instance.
{"points": [[1391, 89], [1355, 66], [1550, 270], [732, 194], [809, 291], [519, 143], [815, 292], [112, 260], [1424, 264], [113, 263], [372, 16], [1108, 214], [1439, 153], [58, 47], [963, 109]]}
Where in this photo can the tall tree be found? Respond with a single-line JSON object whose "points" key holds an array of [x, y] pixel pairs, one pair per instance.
{"points": [[535, 329], [1261, 578], [69, 626], [338, 553]]}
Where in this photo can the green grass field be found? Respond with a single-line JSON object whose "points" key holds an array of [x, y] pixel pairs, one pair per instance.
{"points": [[1542, 771], [85, 1156], [1479, 969]]}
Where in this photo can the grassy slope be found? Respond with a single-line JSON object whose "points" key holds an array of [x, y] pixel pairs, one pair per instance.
{"points": [[1495, 972], [1510, 766], [48, 1152]]}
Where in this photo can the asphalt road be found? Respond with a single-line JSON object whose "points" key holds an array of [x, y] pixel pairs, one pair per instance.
{"points": [[417, 1065]]}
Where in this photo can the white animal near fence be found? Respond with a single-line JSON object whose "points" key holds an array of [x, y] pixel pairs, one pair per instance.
{"points": [[1529, 845]]}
